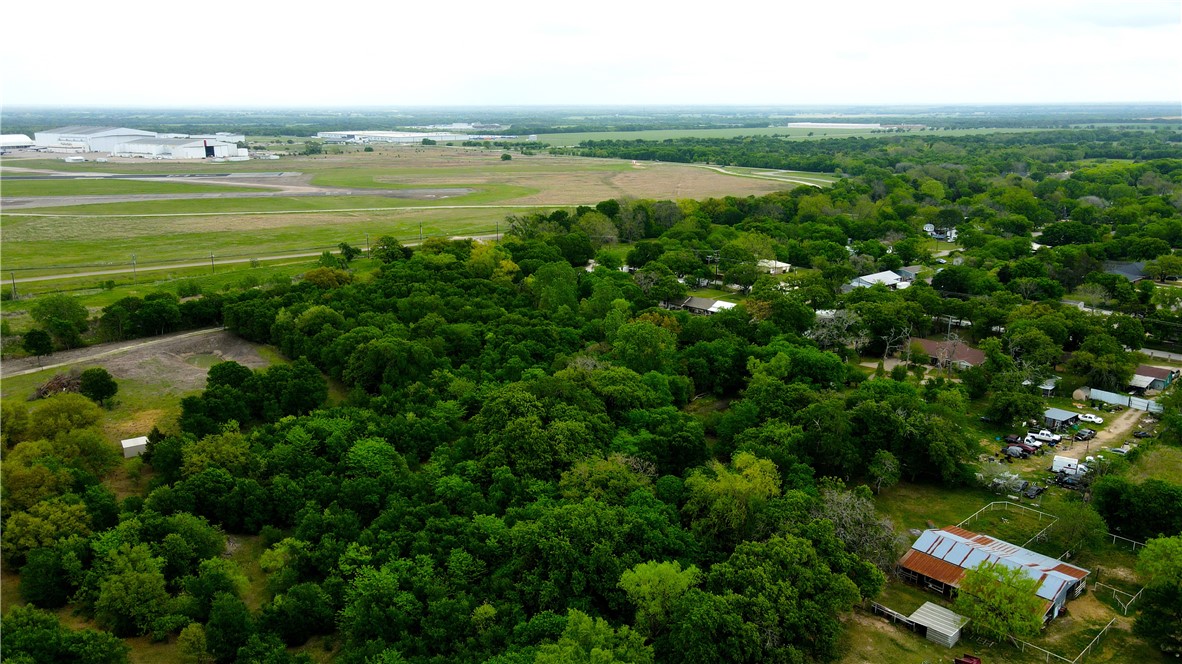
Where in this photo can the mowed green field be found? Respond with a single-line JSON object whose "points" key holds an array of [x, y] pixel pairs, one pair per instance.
{"points": [[485, 194], [55, 243], [75, 239], [82, 186]]}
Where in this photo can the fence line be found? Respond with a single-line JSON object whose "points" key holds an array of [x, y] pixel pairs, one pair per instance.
{"points": [[1124, 605], [1022, 645], [1009, 505], [1135, 543], [1094, 641]]}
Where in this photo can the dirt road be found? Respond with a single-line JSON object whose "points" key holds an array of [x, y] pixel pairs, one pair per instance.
{"points": [[65, 358], [1117, 428]]}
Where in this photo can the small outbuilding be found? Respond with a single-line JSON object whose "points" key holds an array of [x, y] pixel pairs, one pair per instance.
{"points": [[1057, 418], [133, 447], [940, 625]]}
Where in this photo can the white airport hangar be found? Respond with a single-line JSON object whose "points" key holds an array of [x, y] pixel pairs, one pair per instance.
{"points": [[176, 148], [87, 139], [403, 137]]}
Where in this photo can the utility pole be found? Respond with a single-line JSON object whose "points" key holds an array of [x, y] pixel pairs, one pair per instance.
{"points": [[133, 275], [498, 231], [12, 275], [211, 268], [367, 244], [420, 232]]}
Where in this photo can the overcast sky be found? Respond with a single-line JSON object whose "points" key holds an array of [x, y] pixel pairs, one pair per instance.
{"points": [[235, 53]]}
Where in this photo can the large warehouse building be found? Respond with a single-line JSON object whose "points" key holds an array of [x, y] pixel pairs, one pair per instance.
{"points": [[124, 142], [87, 139], [175, 148], [406, 137]]}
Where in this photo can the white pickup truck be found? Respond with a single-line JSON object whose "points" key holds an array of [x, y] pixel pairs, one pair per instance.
{"points": [[1044, 436]]}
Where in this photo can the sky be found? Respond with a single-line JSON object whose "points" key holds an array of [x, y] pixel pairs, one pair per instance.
{"points": [[246, 53]]}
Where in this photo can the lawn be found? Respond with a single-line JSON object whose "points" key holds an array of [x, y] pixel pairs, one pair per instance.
{"points": [[1157, 461], [63, 245]]}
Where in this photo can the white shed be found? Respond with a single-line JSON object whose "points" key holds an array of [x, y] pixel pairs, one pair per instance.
{"points": [[942, 626], [133, 447]]}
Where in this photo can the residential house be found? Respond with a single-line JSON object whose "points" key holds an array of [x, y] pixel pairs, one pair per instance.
{"points": [[774, 267], [1134, 272], [704, 306], [1153, 378], [944, 353], [886, 278]]}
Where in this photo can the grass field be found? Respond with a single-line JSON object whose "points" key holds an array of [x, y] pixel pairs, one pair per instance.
{"points": [[1161, 462], [10, 188], [106, 235]]}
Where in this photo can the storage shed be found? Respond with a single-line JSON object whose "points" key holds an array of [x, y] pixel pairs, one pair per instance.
{"points": [[133, 447], [942, 626], [1057, 418]]}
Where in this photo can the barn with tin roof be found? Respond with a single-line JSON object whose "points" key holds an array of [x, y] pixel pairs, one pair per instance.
{"points": [[939, 558]]}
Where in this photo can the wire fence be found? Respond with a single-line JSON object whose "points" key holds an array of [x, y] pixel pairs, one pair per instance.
{"points": [[1124, 604], [1024, 646]]}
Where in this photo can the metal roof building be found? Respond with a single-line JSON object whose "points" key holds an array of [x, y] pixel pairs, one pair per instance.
{"points": [[939, 558], [942, 625], [175, 148], [1057, 418], [78, 138]]}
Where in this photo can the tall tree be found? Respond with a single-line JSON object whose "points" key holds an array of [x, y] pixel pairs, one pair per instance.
{"points": [[1000, 601]]}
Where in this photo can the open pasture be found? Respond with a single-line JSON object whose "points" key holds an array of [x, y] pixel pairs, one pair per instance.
{"points": [[107, 234]]}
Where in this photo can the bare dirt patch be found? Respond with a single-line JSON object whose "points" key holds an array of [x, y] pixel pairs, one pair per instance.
{"points": [[169, 360], [160, 360]]}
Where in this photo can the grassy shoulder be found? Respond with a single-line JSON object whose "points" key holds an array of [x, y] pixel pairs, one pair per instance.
{"points": [[11, 188]]}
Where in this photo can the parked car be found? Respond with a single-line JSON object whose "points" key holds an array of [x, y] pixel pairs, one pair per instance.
{"points": [[1016, 452], [1085, 434], [1088, 417], [1143, 434], [1012, 439], [1069, 481]]}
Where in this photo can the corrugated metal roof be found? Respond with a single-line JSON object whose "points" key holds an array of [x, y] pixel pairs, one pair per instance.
{"points": [[934, 616], [1141, 381], [1059, 415], [944, 555]]}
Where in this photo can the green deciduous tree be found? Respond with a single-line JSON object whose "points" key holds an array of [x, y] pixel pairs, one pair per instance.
{"points": [[1160, 619], [37, 343], [654, 588], [588, 640], [132, 595], [1000, 601], [723, 501], [62, 413], [62, 316], [97, 385]]}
